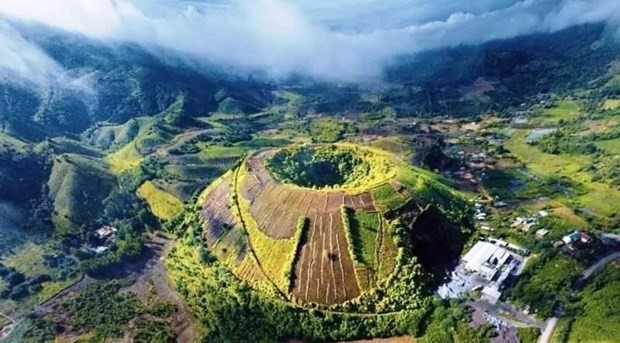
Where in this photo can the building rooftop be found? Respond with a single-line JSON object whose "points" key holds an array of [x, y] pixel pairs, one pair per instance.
{"points": [[486, 258]]}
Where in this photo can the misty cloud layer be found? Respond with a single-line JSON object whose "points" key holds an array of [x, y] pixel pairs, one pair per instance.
{"points": [[346, 40]]}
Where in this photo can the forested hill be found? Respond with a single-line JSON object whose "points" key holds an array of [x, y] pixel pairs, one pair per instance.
{"points": [[117, 83], [499, 74]]}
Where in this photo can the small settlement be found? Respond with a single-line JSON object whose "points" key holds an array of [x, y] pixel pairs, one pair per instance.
{"points": [[487, 267], [102, 239]]}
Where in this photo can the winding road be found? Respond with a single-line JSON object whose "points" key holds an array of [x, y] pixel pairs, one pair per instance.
{"points": [[545, 337]]}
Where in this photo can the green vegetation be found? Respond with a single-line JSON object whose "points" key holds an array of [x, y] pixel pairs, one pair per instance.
{"points": [[364, 227], [562, 329], [78, 186], [163, 205], [103, 312], [320, 167], [327, 130], [232, 311], [386, 198], [301, 232], [343, 166], [562, 110], [124, 158], [126, 249], [612, 145], [70, 165], [567, 167], [30, 274], [528, 335], [596, 319], [611, 104], [102, 309], [546, 283], [387, 253], [273, 254], [151, 331]]}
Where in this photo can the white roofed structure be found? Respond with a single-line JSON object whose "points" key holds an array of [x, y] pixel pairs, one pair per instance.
{"points": [[486, 259]]}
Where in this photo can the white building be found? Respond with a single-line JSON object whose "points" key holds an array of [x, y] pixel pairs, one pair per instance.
{"points": [[486, 259]]}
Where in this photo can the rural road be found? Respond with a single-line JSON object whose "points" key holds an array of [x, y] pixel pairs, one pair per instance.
{"points": [[545, 337], [597, 266]]}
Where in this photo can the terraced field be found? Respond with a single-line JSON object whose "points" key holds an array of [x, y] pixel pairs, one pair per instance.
{"points": [[294, 240], [221, 229], [325, 272], [276, 207]]}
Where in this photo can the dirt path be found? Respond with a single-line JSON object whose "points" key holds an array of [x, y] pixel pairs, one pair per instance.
{"points": [[81, 283], [179, 139], [150, 283], [153, 285]]}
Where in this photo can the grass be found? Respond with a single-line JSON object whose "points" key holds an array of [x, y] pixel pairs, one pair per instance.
{"points": [[528, 335], [392, 144], [563, 109], [560, 333], [612, 145], [163, 204], [546, 283], [264, 142], [28, 259], [387, 253], [203, 195], [569, 216], [11, 141], [117, 135], [295, 136], [568, 166], [4, 321], [250, 271], [386, 198], [148, 137], [125, 158], [78, 185], [63, 145], [611, 104], [364, 227], [51, 288], [219, 151], [230, 246], [599, 318]]}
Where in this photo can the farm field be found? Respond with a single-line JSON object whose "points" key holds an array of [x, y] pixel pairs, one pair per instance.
{"points": [[276, 207], [164, 205], [563, 109], [611, 104], [217, 218], [364, 229], [325, 273], [612, 145], [125, 158], [568, 166]]}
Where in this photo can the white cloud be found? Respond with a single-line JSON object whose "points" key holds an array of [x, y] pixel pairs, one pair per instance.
{"points": [[21, 60], [334, 40]]}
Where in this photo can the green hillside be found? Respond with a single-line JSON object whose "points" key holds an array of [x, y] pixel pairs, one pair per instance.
{"points": [[77, 186]]}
